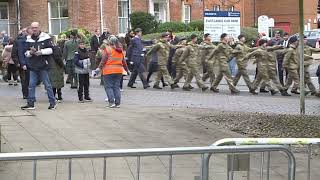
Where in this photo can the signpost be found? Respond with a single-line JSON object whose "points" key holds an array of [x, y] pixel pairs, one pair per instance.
{"points": [[301, 53], [218, 22], [263, 25]]}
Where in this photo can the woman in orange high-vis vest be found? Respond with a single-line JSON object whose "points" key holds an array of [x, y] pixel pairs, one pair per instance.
{"points": [[112, 66]]}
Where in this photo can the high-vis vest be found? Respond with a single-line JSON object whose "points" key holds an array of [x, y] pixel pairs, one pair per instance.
{"points": [[114, 63]]}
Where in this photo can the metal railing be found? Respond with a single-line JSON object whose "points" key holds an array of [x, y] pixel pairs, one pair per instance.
{"points": [[309, 142], [205, 153]]}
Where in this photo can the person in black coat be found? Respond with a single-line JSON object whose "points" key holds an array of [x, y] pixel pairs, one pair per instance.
{"points": [[105, 35], [95, 44]]}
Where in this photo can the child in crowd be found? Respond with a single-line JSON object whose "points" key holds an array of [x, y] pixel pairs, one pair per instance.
{"points": [[9, 63], [82, 68]]}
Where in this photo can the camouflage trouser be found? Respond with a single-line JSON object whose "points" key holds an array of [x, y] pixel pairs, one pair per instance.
{"points": [[242, 72], [211, 72], [308, 82], [194, 72], [224, 72], [272, 73], [163, 72], [262, 78], [293, 77], [181, 71]]}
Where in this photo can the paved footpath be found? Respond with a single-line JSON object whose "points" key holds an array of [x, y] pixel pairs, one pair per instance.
{"points": [[147, 118]]}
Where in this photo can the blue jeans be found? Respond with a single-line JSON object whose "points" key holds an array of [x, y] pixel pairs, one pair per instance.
{"points": [[112, 87], [233, 66], [35, 76]]}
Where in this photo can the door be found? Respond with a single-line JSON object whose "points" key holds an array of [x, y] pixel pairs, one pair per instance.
{"points": [[285, 26]]}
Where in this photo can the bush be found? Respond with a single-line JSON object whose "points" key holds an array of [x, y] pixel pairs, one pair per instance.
{"points": [[250, 33], [145, 21], [173, 26], [82, 34], [197, 25]]}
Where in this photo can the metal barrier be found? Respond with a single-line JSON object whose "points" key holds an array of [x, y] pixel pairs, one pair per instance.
{"points": [[205, 153], [272, 141]]}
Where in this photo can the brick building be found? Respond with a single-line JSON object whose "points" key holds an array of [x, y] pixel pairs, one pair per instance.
{"points": [[57, 15]]}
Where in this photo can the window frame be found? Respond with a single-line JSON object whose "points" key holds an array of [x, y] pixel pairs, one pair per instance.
{"points": [[185, 19], [216, 7], [121, 18], [8, 18], [57, 18]]}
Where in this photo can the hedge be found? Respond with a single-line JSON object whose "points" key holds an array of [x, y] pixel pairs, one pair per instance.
{"points": [[174, 26], [82, 33], [145, 21], [181, 35], [197, 25], [250, 33]]}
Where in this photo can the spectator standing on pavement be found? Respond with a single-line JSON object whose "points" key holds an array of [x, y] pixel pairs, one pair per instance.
{"points": [[95, 43], [69, 48], [21, 61], [39, 50], [82, 68], [136, 55], [5, 38], [56, 70], [105, 35], [8, 61], [113, 66]]}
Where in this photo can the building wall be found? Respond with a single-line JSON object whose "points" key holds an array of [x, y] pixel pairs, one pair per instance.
{"points": [[34, 10]]}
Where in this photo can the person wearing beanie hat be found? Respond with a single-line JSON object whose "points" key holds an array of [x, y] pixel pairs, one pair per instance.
{"points": [[162, 48], [222, 53], [191, 54], [291, 64]]}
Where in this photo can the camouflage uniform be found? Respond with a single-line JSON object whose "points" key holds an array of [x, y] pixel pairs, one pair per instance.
{"points": [[209, 63], [308, 60], [162, 48], [222, 53], [262, 58], [191, 53], [272, 69], [181, 65], [290, 63], [239, 52]]}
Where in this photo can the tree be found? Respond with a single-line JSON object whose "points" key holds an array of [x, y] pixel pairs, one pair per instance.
{"points": [[145, 21]]}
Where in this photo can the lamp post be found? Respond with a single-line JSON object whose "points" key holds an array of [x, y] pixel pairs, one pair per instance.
{"points": [[301, 54]]}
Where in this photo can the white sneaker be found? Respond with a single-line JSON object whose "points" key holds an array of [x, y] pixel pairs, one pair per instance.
{"points": [[112, 105], [121, 90], [106, 99]]}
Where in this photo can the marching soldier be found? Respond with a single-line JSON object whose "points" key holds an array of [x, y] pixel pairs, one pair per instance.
{"points": [[222, 53], [261, 56], [162, 48], [191, 53], [290, 63], [209, 63], [240, 51], [180, 63]]}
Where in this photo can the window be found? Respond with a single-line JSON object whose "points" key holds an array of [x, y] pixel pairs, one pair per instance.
{"points": [[156, 9], [58, 16], [216, 8], [4, 17], [123, 15], [187, 14], [230, 8]]}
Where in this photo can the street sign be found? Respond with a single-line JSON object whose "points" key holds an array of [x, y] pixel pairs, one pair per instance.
{"points": [[218, 22], [263, 25]]}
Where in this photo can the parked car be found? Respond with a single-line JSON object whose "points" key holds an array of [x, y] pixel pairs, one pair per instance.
{"points": [[313, 39]]}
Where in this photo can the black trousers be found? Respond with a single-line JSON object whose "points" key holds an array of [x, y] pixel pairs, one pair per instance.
{"points": [[83, 86], [57, 91], [12, 71], [138, 69], [24, 77]]}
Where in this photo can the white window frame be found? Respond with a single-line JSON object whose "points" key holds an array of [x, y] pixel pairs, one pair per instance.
{"points": [[164, 9], [231, 8], [59, 17], [216, 7], [120, 17], [186, 19], [8, 19]]}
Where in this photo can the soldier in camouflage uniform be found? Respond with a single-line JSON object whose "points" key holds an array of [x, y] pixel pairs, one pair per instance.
{"points": [[209, 63], [272, 68], [180, 63], [162, 48], [308, 60], [262, 57], [239, 52], [222, 53], [290, 63], [191, 53]]}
